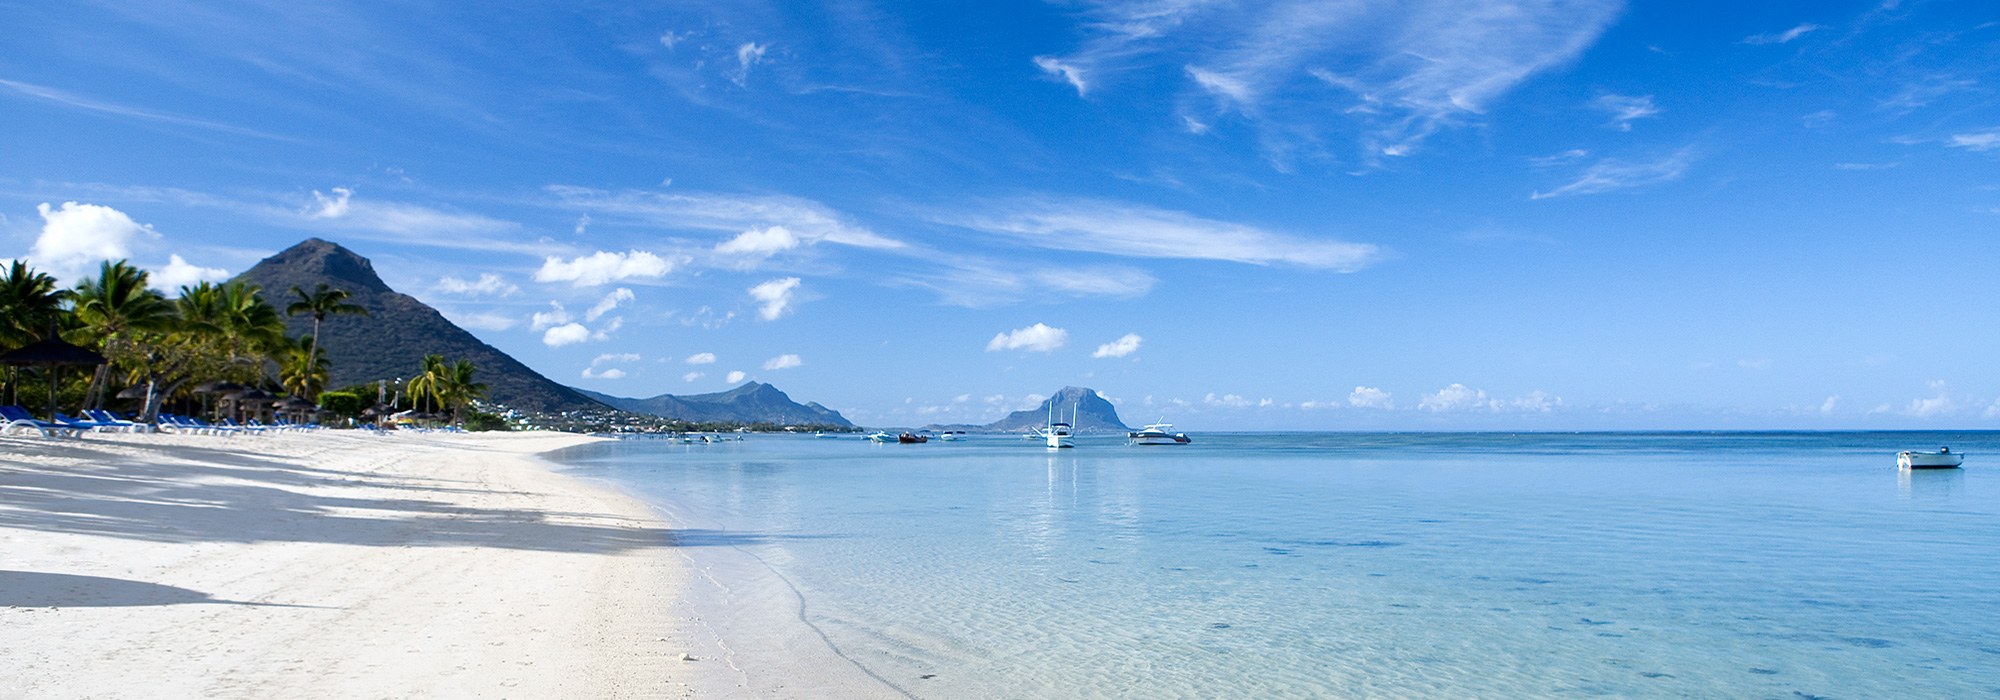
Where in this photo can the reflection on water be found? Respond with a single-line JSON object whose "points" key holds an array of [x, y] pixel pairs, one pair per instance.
{"points": [[1929, 483]]}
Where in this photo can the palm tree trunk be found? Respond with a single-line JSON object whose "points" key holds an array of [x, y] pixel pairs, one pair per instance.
{"points": [[312, 359]]}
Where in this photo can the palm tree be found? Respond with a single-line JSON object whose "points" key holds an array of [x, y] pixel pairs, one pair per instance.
{"points": [[113, 305], [321, 303], [29, 301], [460, 389], [430, 381], [302, 371], [238, 323]]}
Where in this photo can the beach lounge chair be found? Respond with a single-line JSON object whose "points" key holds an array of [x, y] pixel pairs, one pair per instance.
{"points": [[19, 420], [103, 416], [252, 428], [90, 425]]}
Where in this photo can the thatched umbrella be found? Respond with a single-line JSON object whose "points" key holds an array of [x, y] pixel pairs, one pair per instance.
{"points": [[296, 405], [52, 352]]}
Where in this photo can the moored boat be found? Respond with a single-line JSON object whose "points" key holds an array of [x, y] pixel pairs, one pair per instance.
{"points": [[1156, 434], [880, 436], [1058, 435], [912, 438], [1944, 458]]}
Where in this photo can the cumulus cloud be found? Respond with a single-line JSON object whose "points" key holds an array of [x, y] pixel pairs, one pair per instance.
{"points": [[555, 316], [747, 55], [1611, 174], [1624, 109], [783, 362], [701, 358], [1784, 36], [755, 245], [1120, 347], [488, 284], [609, 302], [691, 376], [1459, 397], [613, 373], [179, 273], [334, 207], [1116, 228], [566, 334], [603, 267], [76, 237], [1226, 401], [1370, 397], [1035, 338], [774, 298], [1945, 402], [734, 377], [610, 327]]}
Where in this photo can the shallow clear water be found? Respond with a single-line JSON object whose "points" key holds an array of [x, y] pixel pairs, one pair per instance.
{"points": [[1769, 565]]}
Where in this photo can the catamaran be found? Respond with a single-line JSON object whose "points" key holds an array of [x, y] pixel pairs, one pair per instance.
{"points": [[1058, 434]]}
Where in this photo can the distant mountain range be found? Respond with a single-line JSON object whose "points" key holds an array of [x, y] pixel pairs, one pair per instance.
{"points": [[392, 340], [751, 403], [1091, 414]]}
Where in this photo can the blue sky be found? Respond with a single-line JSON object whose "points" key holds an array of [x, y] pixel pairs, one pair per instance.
{"points": [[1451, 214]]}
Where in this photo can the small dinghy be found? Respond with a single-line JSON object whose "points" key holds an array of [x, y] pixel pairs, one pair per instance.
{"points": [[1944, 458]]}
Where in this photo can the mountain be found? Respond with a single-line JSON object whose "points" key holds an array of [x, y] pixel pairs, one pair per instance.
{"points": [[391, 341], [751, 403], [1093, 413]]}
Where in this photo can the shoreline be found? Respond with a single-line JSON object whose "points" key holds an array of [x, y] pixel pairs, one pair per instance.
{"points": [[331, 564]]}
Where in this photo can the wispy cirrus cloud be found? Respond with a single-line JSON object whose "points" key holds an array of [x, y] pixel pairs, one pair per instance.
{"points": [[1408, 68], [1624, 109], [1785, 36], [1137, 230], [805, 220], [94, 105], [1611, 174]]}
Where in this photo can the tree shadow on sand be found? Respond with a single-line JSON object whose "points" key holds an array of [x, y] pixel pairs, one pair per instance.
{"points": [[34, 589], [230, 495]]}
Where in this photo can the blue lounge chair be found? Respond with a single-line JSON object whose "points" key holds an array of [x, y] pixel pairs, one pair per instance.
{"points": [[89, 425], [18, 419], [103, 416]]}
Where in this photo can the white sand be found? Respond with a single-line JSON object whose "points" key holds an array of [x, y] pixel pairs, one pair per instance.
{"points": [[328, 565]]}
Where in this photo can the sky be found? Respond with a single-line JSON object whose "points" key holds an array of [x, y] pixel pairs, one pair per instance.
{"points": [[1278, 215]]}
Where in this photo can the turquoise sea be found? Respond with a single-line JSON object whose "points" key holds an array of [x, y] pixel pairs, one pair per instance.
{"points": [[1338, 565]]}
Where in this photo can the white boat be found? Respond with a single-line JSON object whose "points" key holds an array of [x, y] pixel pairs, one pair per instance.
{"points": [[881, 437], [1944, 458], [1156, 434], [1058, 435], [952, 435]]}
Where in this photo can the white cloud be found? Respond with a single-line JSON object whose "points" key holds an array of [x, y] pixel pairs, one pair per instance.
{"points": [[555, 316], [757, 244], [1612, 174], [774, 298], [76, 237], [734, 377], [613, 373], [1782, 37], [783, 362], [179, 273], [1406, 68], [1031, 401], [1117, 228], [582, 224], [1069, 73], [1980, 141], [1370, 397], [487, 284], [1826, 409], [602, 267], [1226, 401], [334, 207], [1035, 338], [1119, 348], [1624, 109], [961, 398], [604, 332], [610, 301], [691, 376], [808, 220], [701, 358], [1457, 397], [483, 321], [747, 55], [615, 357], [566, 334], [1944, 403]]}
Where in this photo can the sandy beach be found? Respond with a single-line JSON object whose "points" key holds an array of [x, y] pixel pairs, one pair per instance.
{"points": [[328, 565]]}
